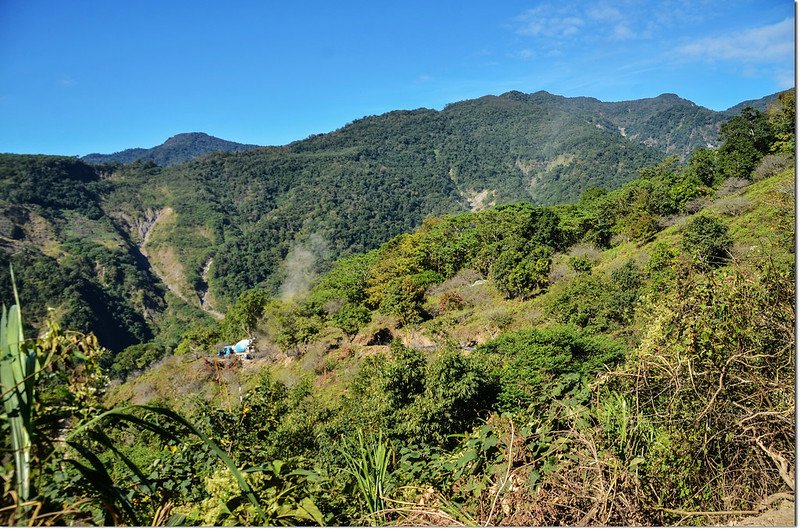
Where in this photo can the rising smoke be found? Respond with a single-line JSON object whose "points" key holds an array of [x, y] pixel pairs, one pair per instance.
{"points": [[302, 266]]}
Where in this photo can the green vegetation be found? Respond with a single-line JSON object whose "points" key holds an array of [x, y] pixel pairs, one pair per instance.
{"points": [[627, 359], [128, 251]]}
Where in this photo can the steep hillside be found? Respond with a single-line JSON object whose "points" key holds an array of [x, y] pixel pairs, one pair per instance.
{"points": [[177, 149], [511, 357], [76, 263], [202, 232], [625, 359]]}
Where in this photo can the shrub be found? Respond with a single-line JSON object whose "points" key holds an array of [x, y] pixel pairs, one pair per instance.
{"points": [[707, 241], [529, 363], [519, 275], [241, 318], [351, 317], [404, 297], [580, 264], [449, 301], [772, 164], [732, 185], [586, 302], [198, 339], [458, 393], [734, 206], [718, 357]]}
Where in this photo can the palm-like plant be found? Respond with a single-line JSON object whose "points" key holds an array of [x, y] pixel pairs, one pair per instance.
{"points": [[19, 367]]}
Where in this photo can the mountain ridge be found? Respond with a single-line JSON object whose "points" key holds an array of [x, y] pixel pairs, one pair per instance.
{"points": [[239, 218], [175, 149], [186, 146]]}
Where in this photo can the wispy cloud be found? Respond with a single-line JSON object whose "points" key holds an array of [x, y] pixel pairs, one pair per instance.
{"points": [[549, 21], [623, 32], [605, 12], [556, 23], [765, 44], [525, 54], [67, 82]]}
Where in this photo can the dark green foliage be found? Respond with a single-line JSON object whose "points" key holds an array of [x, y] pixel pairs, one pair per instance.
{"points": [[250, 433], [405, 375], [350, 318], [405, 296], [597, 303], [111, 310], [520, 276], [627, 281], [199, 339], [532, 363], [418, 402], [52, 183], [136, 357], [458, 393], [745, 139], [347, 280], [707, 241], [782, 116], [702, 164]]}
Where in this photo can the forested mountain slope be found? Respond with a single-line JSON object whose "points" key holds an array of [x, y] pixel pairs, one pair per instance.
{"points": [[667, 122], [154, 245], [627, 359], [624, 359]]}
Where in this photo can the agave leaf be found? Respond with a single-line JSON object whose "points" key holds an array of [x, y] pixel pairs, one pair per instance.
{"points": [[100, 437], [16, 388], [121, 413], [101, 480]]}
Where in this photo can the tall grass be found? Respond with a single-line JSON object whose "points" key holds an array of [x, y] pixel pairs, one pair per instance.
{"points": [[369, 464]]}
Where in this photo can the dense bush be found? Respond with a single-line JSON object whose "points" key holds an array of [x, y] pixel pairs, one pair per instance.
{"points": [[707, 241], [534, 362]]}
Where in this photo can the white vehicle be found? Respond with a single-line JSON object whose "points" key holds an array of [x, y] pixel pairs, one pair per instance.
{"points": [[242, 349]]}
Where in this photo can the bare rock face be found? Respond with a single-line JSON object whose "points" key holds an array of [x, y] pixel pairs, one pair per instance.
{"points": [[145, 223]]}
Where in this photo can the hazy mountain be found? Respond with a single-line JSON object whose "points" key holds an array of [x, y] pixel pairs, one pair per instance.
{"points": [[177, 149]]}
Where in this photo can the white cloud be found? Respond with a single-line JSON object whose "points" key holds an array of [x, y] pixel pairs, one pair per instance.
{"points": [[554, 23], [67, 82], [763, 44], [525, 54], [605, 12], [622, 32], [543, 22]]}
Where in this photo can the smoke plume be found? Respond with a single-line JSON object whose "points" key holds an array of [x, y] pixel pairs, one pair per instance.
{"points": [[301, 266]]}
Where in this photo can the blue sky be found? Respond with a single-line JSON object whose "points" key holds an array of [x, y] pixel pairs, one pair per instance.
{"points": [[101, 76]]}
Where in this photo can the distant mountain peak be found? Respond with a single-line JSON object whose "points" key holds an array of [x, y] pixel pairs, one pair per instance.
{"points": [[176, 149], [183, 136]]}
